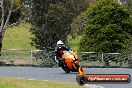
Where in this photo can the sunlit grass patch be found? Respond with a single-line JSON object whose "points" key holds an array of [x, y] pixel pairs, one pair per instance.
{"points": [[23, 83], [18, 37]]}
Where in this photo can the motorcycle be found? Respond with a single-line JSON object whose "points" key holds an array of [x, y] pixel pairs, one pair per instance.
{"points": [[71, 63]]}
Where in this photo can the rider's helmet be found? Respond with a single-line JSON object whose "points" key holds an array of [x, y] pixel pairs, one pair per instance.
{"points": [[60, 43]]}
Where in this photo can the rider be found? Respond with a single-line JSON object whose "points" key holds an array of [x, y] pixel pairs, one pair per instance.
{"points": [[59, 51]]}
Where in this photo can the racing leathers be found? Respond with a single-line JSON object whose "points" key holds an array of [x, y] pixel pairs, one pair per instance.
{"points": [[59, 53]]}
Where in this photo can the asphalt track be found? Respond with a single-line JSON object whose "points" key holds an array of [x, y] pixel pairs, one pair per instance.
{"points": [[57, 74]]}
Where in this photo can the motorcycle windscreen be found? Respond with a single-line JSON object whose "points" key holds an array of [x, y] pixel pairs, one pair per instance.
{"points": [[74, 54]]}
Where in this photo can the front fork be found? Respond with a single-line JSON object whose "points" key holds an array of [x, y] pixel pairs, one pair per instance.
{"points": [[79, 68], [81, 71]]}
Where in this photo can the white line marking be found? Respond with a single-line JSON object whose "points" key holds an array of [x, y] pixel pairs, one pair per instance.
{"points": [[92, 86], [30, 79]]}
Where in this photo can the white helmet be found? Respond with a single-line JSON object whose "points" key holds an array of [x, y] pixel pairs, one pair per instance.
{"points": [[60, 43]]}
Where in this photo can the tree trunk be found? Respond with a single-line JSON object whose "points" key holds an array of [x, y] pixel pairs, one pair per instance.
{"points": [[1, 38]]}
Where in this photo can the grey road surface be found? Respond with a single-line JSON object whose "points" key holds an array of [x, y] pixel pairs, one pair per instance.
{"points": [[57, 74]]}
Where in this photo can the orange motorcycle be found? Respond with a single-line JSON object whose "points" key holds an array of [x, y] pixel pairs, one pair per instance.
{"points": [[71, 62]]}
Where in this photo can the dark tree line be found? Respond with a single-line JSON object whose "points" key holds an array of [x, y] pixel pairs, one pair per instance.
{"points": [[51, 20]]}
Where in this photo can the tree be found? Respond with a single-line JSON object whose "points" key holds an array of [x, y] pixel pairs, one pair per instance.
{"points": [[26, 10], [79, 21], [127, 3], [10, 14], [77, 25], [51, 21], [108, 28]]}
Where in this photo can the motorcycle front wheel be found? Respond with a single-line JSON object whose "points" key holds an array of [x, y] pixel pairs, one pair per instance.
{"points": [[81, 80]]}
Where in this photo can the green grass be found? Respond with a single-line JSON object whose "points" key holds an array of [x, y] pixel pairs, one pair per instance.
{"points": [[23, 83], [74, 43], [18, 37]]}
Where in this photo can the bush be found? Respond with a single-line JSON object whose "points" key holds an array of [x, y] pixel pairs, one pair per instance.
{"points": [[108, 28]]}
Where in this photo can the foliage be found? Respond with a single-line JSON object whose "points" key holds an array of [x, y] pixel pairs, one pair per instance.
{"points": [[79, 21], [16, 14], [108, 28], [49, 27], [77, 25], [51, 21], [10, 15], [128, 4]]}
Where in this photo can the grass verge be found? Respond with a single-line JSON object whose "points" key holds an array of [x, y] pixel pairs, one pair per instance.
{"points": [[18, 37], [74, 43], [23, 83]]}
